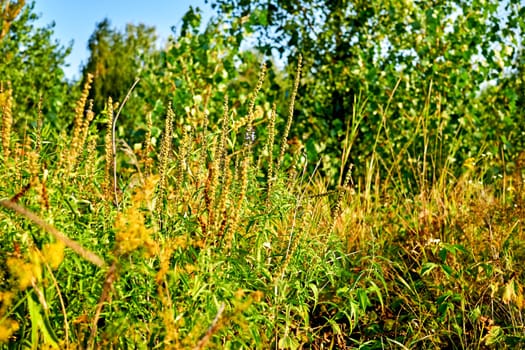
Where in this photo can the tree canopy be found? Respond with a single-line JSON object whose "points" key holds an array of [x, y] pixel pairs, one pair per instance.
{"points": [[31, 62], [117, 59], [405, 58]]}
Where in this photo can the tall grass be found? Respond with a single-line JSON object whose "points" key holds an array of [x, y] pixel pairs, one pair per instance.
{"points": [[225, 241]]}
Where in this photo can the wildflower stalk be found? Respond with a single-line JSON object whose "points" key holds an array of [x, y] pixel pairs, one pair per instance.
{"points": [[339, 202], [114, 141], [108, 147], [165, 150], [269, 149], [146, 159], [6, 102], [79, 124], [290, 114], [251, 106]]}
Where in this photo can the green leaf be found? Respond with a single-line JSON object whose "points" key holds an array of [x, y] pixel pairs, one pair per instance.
{"points": [[315, 291], [495, 336], [288, 342], [447, 269], [428, 267], [40, 325], [362, 296], [443, 254]]}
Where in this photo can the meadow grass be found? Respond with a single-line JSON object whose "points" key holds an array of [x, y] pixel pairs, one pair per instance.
{"points": [[223, 242]]}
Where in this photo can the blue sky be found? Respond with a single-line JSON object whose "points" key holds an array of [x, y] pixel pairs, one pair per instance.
{"points": [[75, 20]]}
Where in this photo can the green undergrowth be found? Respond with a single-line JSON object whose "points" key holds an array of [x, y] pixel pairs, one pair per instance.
{"points": [[214, 238]]}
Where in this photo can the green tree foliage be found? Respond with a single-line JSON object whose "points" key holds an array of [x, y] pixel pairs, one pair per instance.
{"points": [[116, 60], [408, 59], [30, 63]]}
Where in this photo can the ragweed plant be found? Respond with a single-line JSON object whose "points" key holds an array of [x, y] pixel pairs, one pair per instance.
{"points": [[108, 152], [165, 153], [250, 132], [80, 127], [91, 158], [146, 158], [241, 196], [268, 150], [6, 105], [291, 107], [223, 201], [345, 186]]}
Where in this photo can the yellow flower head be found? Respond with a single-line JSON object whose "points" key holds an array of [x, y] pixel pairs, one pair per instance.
{"points": [[7, 328], [25, 273], [53, 254], [131, 232], [6, 299]]}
